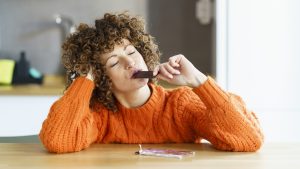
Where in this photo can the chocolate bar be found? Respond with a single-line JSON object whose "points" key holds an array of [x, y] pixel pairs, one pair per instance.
{"points": [[143, 74]]}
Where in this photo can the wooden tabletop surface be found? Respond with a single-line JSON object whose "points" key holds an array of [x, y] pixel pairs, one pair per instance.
{"points": [[33, 156]]}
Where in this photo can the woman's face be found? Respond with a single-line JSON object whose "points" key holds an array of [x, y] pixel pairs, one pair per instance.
{"points": [[121, 64]]}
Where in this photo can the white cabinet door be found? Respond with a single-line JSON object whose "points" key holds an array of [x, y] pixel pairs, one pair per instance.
{"points": [[258, 57], [23, 115]]}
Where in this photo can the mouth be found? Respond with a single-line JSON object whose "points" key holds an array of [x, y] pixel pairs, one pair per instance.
{"points": [[135, 72]]}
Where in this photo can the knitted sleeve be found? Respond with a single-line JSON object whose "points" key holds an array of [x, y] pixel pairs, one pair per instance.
{"points": [[224, 120], [70, 125]]}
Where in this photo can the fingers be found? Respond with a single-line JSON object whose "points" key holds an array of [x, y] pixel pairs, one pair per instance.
{"points": [[163, 71], [171, 69], [90, 75], [156, 70], [166, 70], [162, 77], [174, 61]]}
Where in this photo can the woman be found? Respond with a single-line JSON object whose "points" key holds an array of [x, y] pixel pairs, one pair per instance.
{"points": [[105, 103]]}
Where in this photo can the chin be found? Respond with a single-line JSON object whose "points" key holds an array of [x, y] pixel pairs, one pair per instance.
{"points": [[137, 84], [142, 82]]}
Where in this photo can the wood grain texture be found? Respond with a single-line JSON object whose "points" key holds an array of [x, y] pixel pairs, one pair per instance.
{"points": [[21, 155]]}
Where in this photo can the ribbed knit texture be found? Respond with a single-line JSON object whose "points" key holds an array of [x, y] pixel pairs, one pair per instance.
{"points": [[182, 115]]}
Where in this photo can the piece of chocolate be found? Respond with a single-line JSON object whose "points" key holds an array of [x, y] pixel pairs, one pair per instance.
{"points": [[143, 74]]}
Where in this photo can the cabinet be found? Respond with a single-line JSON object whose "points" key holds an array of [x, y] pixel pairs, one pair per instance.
{"points": [[25, 107], [23, 115]]}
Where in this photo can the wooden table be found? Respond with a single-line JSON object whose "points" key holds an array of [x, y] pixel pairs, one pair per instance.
{"points": [[33, 156]]}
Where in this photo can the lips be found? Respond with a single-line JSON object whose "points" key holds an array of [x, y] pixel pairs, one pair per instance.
{"points": [[134, 72]]}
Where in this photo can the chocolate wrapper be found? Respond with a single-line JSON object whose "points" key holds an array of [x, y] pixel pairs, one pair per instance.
{"points": [[165, 153]]}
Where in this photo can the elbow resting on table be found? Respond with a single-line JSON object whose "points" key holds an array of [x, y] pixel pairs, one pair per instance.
{"points": [[250, 144], [59, 144]]}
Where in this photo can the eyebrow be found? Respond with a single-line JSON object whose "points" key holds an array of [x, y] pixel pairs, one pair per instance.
{"points": [[115, 54]]}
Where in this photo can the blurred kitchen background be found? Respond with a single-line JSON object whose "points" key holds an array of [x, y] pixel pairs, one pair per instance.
{"points": [[251, 47], [39, 27]]}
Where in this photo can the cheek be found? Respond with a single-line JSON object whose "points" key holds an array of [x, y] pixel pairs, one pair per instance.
{"points": [[116, 76], [141, 60]]}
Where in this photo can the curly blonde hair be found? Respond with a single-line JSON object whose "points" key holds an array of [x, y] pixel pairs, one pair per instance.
{"points": [[82, 52]]}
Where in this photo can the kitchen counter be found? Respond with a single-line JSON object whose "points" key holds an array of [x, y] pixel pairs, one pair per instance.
{"points": [[270, 156], [53, 85]]}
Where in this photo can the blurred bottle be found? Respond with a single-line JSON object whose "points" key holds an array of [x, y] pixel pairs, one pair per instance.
{"points": [[24, 74]]}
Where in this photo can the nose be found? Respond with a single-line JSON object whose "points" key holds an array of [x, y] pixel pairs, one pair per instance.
{"points": [[129, 62]]}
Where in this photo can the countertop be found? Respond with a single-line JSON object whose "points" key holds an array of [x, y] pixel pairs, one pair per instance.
{"points": [[52, 85], [275, 155]]}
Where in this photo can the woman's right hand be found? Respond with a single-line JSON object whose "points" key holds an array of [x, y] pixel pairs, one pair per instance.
{"points": [[90, 75]]}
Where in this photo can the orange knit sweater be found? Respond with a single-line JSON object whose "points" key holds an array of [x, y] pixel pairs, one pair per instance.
{"points": [[183, 115]]}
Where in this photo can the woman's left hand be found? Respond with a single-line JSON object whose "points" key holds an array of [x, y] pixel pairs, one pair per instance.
{"points": [[179, 71]]}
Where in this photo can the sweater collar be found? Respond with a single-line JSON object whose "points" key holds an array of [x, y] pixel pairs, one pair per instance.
{"points": [[154, 102]]}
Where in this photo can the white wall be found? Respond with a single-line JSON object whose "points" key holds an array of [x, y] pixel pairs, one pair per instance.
{"points": [[29, 25], [258, 56]]}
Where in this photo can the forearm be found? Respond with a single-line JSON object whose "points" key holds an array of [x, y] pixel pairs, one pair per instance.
{"points": [[228, 125], [233, 130], [70, 120]]}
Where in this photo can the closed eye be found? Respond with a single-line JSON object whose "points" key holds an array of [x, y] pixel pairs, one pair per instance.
{"points": [[114, 64], [131, 53]]}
